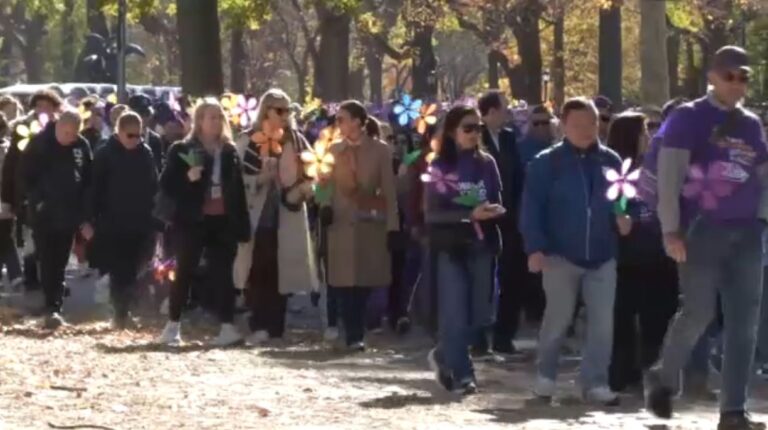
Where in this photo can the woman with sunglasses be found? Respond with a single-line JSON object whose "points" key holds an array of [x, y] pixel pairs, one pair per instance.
{"points": [[463, 200], [278, 260], [362, 211], [122, 197], [203, 178]]}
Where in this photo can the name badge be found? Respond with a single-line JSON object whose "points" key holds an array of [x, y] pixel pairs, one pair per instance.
{"points": [[216, 192]]}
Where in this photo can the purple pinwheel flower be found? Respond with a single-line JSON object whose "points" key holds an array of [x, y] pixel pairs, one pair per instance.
{"points": [[173, 103], [442, 182], [622, 184], [707, 188], [407, 109], [245, 110]]}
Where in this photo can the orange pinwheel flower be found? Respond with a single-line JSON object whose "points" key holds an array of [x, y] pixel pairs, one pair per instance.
{"points": [[426, 117], [268, 141]]}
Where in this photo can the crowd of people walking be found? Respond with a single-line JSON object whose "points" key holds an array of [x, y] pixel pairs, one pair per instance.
{"points": [[641, 225]]}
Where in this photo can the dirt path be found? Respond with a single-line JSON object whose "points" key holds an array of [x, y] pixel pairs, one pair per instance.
{"points": [[89, 375]]}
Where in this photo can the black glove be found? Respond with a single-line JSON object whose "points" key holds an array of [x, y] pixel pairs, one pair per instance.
{"points": [[326, 216]]}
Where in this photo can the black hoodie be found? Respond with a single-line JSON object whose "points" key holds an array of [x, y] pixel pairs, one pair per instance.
{"points": [[56, 179], [124, 186]]}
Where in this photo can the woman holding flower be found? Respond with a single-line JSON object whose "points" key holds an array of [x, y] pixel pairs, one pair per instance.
{"points": [[278, 260], [203, 178], [646, 286], [360, 214], [462, 202]]}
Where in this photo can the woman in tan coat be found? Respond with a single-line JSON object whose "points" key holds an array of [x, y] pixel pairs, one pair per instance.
{"points": [[364, 211]]}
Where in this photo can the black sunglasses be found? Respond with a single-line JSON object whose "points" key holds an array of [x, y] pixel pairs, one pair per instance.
{"points": [[733, 77], [281, 110], [605, 118], [132, 136], [654, 125], [541, 123], [471, 128]]}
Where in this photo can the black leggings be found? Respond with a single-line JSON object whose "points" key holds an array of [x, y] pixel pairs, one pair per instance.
{"points": [[210, 235], [268, 305]]}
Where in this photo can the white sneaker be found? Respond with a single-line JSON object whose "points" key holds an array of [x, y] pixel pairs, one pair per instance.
{"points": [[601, 395], [171, 335], [331, 334], [228, 336], [257, 338], [545, 387]]}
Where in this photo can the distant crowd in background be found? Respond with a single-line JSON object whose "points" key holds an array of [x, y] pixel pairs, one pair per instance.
{"points": [[470, 218]]}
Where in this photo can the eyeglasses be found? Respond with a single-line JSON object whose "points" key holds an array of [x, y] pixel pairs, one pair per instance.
{"points": [[742, 78], [281, 111], [471, 128], [132, 136], [541, 123], [605, 118]]}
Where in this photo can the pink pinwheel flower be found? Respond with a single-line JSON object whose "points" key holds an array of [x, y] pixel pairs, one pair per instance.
{"points": [[442, 182], [707, 188], [245, 110], [173, 103], [622, 185]]}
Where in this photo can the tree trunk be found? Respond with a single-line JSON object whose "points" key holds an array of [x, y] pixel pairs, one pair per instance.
{"points": [[6, 53], [375, 65], [558, 62], [356, 84], [97, 22], [67, 41], [237, 61], [673, 62], [691, 72], [33, 37], [493, 69], [200, 46], [610, 56], [424, 71], [525, 27], [654, 70], [332, 65]]}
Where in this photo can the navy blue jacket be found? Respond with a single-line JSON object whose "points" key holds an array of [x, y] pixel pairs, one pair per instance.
{"points": [[565, 211]]}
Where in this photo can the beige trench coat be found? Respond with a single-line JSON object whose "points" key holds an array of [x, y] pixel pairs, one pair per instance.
{"points": [[357, 238]]}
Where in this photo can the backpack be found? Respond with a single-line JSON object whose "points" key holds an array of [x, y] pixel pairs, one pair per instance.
{"points": [[647, 184]]}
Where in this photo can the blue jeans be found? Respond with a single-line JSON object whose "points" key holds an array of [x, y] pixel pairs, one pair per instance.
{"points": [[464, 300], [728, 260], [563, 281]]}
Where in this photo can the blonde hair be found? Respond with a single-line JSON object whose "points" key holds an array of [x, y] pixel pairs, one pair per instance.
{"points": [[116, 112], [205, 105], [128, 119], [269, 100]]}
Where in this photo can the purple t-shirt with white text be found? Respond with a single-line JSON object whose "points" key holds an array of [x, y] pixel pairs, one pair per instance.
{"points": [[722, 182]]}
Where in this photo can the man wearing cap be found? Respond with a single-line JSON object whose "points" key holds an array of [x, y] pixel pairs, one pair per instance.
{"points": [[142, 105], [605, 110], [713, 207]]}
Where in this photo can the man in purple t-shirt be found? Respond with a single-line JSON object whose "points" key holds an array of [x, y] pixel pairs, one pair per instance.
{"points": [[712, 182]]}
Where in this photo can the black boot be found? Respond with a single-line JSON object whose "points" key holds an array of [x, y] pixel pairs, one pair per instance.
{"points": [[738, 421]]}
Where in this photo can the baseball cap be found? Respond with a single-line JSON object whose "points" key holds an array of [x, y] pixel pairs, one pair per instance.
{"points": [[730, 58]]}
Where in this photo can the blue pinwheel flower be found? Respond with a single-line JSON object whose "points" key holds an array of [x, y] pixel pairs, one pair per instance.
{"points": [[407, 109]]}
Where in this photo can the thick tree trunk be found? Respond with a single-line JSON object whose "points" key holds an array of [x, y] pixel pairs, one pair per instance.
{"points": [[526, 30], [200, 46], [558, 62], [493, 69], [610, 56], [424, 71], [673, 63], [237, 61], [332, 65], [692, 77], [67, 41], [6, 53], [97, 22], [375, 65], [33, 37], [654, 70], [356, 84]]}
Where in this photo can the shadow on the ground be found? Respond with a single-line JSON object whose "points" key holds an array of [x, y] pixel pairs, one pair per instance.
{"points": [[428, 393], [36, 332], [533, 409], [155, 347]]}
